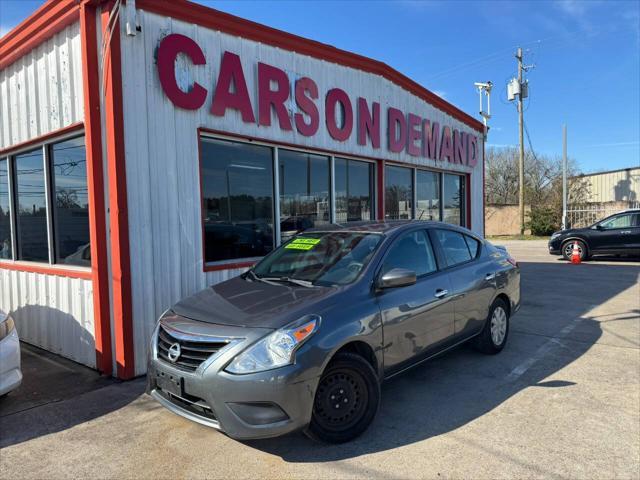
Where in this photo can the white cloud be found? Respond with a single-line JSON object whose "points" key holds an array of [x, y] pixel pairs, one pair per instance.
{"points": [[440, 93], [501, 145]]}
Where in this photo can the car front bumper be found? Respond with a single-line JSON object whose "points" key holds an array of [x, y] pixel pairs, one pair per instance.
{"points": [[10, 372], [251, 406], [555, 247]]}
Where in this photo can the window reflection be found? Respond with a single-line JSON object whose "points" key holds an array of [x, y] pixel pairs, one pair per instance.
{"points": [[398, 194], [304, 191], [71, 200], [5, 219], [428, 195], [454, 199], [354, 187], [237, 183], [31, 211]]}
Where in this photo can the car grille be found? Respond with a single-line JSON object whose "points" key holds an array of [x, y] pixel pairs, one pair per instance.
{"points": [[192, 353]]}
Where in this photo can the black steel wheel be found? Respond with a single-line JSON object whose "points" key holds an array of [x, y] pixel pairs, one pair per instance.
{"points": [[346, 400]]}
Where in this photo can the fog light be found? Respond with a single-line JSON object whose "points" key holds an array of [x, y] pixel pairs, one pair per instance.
{"points": [[258, 413]]}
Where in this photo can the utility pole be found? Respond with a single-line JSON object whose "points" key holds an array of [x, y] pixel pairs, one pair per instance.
{"points": [[564, 177], [521, 134]]}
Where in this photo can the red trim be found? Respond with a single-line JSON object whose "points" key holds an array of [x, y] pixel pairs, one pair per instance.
{"points": [[228, 266], [193, 13], [380, 188], [118, 217], [45, 22], [45, 270], [467, 179], [95, 184], [42, 138]]}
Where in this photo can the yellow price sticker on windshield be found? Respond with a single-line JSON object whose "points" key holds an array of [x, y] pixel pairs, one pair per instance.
{"points": [[303, 243]]}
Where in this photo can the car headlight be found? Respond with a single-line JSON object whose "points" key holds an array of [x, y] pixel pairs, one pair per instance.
{"points": [[276, 349], [6, 327]]}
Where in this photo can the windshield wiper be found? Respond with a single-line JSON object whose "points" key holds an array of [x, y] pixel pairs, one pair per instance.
{"points": [[294, 281]]}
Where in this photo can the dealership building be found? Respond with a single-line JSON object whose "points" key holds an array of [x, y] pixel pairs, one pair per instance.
{"points": [[151, 148]]}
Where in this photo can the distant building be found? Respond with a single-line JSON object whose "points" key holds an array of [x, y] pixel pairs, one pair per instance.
{"points": [[614, 185]]}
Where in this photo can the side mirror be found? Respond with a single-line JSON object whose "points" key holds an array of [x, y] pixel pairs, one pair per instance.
{"points": [[599, 227], [398, 277]]}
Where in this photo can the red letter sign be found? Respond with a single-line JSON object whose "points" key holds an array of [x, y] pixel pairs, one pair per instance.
{"points": [[446, 146], [459, 147], [268, 97], [431, 134], [168, 51], [223, 98], [368, 123], [335, 96], [306, 104], [472, 152], [414, 134], [397, 140]]}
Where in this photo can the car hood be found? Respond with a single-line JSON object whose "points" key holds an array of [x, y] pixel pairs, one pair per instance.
{"points": [[569, 231], [242, 303]]}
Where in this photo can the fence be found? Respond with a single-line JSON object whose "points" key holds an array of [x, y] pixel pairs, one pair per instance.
{"points": [[584, 215]]}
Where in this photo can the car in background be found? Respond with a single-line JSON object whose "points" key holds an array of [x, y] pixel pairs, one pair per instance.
{"points": [[304, 339], [10, 373], [618, 234]]}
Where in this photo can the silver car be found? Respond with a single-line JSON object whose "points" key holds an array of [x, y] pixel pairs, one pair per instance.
{"points": [[304, 339]]}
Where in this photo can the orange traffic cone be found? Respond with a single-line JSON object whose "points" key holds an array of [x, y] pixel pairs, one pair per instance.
{"points": [[575, 254]]}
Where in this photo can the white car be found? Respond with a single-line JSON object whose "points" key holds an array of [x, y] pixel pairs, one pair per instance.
{"points": [[10, 373]]}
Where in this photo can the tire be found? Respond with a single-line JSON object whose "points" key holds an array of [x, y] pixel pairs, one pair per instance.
{"points": [[567, 248], [349, 381], [492, 339]]}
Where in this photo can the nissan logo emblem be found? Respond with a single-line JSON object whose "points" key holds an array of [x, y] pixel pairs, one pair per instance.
{"points": [[174, 352]]}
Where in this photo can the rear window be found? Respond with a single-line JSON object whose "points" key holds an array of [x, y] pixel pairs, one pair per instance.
{"points": [[454, 247]]}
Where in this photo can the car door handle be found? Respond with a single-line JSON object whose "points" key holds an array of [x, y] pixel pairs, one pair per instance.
{"points": [[490, 276], [441, 293], [625, 232]]}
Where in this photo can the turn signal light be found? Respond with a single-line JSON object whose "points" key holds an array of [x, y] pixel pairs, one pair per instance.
{"points": [[304, 331]]}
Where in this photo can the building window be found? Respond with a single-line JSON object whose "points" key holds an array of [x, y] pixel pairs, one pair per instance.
{"points": [[71, 202], [427, 195], [398, 194], [31, 218], [304, 191], [237, 187], [354, 190], [454, 199], [6, 250]]}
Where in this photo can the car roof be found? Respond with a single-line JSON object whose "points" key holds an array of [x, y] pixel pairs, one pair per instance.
{"points": [[384, 227]]}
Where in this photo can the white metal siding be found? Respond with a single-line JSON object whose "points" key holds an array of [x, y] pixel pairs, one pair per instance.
{"points": [[161, 149], [42, 91], [52, 312], [619, 186]]}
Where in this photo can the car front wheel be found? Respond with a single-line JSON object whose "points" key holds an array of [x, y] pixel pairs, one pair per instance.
{"points": [[346, 400], [567, 249]]}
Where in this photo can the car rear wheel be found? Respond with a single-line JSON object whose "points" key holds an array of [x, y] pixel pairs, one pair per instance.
{"points": [[346, 400], [567, 249], [494, 335]]}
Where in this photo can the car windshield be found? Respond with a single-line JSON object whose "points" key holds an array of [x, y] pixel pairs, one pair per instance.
{"points": [[322, 258]]}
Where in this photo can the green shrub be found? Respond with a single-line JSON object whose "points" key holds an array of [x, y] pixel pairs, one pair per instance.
{"points": [[544, 221]]}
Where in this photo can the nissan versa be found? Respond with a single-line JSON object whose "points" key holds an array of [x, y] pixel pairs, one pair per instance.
{"points": [[304, 338]]}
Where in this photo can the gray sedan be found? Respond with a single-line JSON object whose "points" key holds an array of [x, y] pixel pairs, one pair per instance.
{"points": [[304, 339]]}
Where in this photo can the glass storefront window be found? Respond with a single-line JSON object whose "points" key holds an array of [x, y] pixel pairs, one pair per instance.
{"points": [[32, 207], [398, 193], [304, 191], [354, 190], [454, 199], [71, 201], [237, 186], [428, 195], [6, 251]]}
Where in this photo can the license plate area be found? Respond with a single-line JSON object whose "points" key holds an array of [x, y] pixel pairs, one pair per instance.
{"points": [[170, 383]]}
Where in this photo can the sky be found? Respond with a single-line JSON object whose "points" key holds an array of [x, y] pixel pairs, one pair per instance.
{"points": [[585, 56]]}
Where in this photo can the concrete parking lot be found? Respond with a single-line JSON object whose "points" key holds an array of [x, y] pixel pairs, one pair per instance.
{"points": [[561, 401]]}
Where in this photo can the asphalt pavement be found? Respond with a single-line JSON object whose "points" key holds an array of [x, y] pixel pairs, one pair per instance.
{"points": [[561, 401]]}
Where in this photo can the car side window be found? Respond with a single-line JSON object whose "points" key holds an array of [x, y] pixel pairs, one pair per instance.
{"points": [[620, 221], [412, 251], [636, 220], [473, 244], [454, 247]]}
